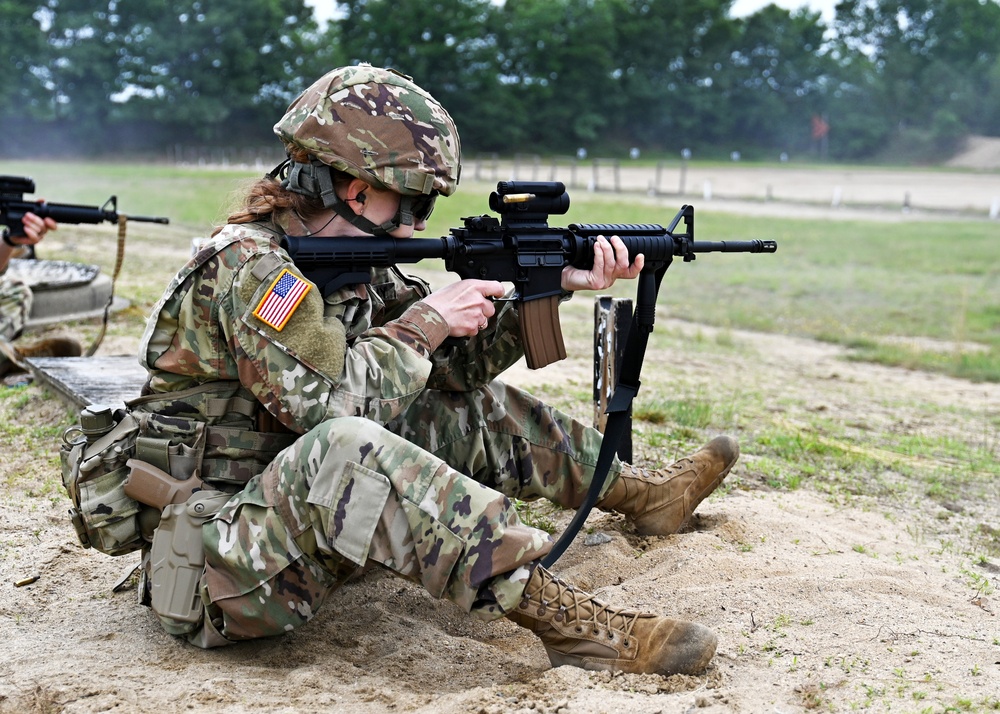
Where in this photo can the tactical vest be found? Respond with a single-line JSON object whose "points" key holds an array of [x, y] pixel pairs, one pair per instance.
{"points": [[216, 432], [208, 432]]}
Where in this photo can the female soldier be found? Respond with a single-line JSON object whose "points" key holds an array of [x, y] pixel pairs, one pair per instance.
{"points": [[401, 450]]}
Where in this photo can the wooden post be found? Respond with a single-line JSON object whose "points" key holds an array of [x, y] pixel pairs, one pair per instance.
{"points": [[611, 321]]}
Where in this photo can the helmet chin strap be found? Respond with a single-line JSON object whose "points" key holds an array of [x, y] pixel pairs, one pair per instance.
{"points": [[315, 180]]}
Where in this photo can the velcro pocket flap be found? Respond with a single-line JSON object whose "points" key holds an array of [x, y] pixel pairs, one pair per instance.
{"points": [[351, 506]]}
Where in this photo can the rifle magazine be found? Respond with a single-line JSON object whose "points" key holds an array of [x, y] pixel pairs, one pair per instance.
{"points": [[541, 333]]}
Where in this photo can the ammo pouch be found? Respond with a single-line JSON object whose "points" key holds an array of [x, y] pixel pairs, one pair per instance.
{"points": [[95, 471], [94, 455]]}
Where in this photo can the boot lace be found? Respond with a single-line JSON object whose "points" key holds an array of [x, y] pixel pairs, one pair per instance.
{"points": [[664, 472], [584, 608]]}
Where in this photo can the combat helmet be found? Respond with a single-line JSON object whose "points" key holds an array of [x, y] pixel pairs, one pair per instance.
{"points": [[376, 125]]}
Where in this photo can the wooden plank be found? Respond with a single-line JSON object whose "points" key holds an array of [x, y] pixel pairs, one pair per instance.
{"points": [[81, 381]]}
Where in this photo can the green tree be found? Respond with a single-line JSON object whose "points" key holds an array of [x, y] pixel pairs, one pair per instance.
{"points": [[556, 62], [670, 54], [22, 45], [927, 62], [211, 69], [445, 45], [777, 78]]}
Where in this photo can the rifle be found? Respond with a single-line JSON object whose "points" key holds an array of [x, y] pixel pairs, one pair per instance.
{"points": [[522, 249], [13, 206]]}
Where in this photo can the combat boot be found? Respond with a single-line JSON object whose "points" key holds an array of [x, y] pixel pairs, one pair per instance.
{"points": [[13, 361], [578, 630], [50, 347], [661, 502]]}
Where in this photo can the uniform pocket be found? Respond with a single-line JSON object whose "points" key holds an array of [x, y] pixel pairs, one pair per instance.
{"points": [[350, 506], [257, 578], [110, 514]]}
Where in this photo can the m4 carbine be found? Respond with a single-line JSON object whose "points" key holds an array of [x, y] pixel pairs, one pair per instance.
{"points": [[13, 206], [522, 249]]}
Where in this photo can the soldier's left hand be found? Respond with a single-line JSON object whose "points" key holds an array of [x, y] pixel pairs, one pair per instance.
{"points": [[35, 229], [611, 262]]}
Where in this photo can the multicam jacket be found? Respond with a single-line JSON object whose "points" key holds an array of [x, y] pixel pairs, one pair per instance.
{"points": [[366, 350]]}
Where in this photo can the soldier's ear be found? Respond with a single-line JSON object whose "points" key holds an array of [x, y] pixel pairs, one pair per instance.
{"points": [[355, 195]]}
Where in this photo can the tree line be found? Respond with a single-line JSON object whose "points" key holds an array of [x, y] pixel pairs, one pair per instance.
{"points": [[118, 77]]}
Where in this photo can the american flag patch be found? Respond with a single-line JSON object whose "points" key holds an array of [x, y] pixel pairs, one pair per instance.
{"points": [[281, 299]]}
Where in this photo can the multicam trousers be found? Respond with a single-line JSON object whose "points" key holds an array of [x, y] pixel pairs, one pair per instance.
{"points": [[15, 306], [427, 496]]}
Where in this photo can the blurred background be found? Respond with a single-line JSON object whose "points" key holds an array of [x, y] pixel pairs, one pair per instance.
{"points": [[906, 81]]}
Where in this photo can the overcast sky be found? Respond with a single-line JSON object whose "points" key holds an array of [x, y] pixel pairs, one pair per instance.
{"points": [[748, 7], [326, 8]]}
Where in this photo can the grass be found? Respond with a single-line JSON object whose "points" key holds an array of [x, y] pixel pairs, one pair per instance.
{"points": [[852, 283], [859, 284]]}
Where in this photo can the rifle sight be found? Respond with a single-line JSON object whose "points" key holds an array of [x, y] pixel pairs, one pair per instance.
{"points": [[15, 186], [519, 200]]}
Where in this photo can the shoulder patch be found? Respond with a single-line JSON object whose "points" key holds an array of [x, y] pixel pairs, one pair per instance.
{"points": [[266, 265], [281, 299]]}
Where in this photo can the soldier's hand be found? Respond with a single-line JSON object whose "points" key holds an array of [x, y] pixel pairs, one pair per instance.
{"points": [[611, 262], [35, 229], [466, 305]]}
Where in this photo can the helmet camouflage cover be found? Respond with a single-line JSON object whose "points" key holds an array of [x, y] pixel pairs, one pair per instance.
{"points": [[377, 125]]}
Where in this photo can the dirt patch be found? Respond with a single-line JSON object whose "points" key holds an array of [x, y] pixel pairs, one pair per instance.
{"points": [[979, 152], [819, 602]]}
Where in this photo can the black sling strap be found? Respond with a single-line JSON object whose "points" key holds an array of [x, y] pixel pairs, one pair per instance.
{"points": [[626, 388]]}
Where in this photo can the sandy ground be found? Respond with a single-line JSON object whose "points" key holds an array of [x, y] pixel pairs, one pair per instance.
{"points": [[818, 601], [838, 601]]}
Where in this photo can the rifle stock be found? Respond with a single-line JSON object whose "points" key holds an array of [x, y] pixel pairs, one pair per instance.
{"points": [[520, 248]]}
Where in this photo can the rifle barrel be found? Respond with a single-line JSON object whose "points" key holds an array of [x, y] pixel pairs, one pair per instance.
{"points": [[734, 246], [147, 219], [71, 213]]}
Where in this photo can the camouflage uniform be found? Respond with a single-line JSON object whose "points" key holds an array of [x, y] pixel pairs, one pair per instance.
{"points": [[399, 448], [15, 306], [409, 449]]}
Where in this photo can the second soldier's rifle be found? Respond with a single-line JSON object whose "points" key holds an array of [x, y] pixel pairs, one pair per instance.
{"points": [[13, 207], [522, 249]]}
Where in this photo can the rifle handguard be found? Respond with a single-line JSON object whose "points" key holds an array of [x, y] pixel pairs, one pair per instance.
{"points": [[541, 333]]}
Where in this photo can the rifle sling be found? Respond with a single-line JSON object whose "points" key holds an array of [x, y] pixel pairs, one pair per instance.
{"points": [[626, 388], [119, 259], [614, 430]]}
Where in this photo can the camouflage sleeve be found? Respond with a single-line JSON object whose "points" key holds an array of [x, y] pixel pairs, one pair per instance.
{"points": [[460, 364], [309, 368], [466, 365]]}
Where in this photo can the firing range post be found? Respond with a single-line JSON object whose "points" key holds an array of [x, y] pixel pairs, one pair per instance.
{"points": [[611, 322]]}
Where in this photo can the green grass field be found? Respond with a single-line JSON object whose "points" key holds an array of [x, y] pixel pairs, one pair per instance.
{"points": [[866, 285]]}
